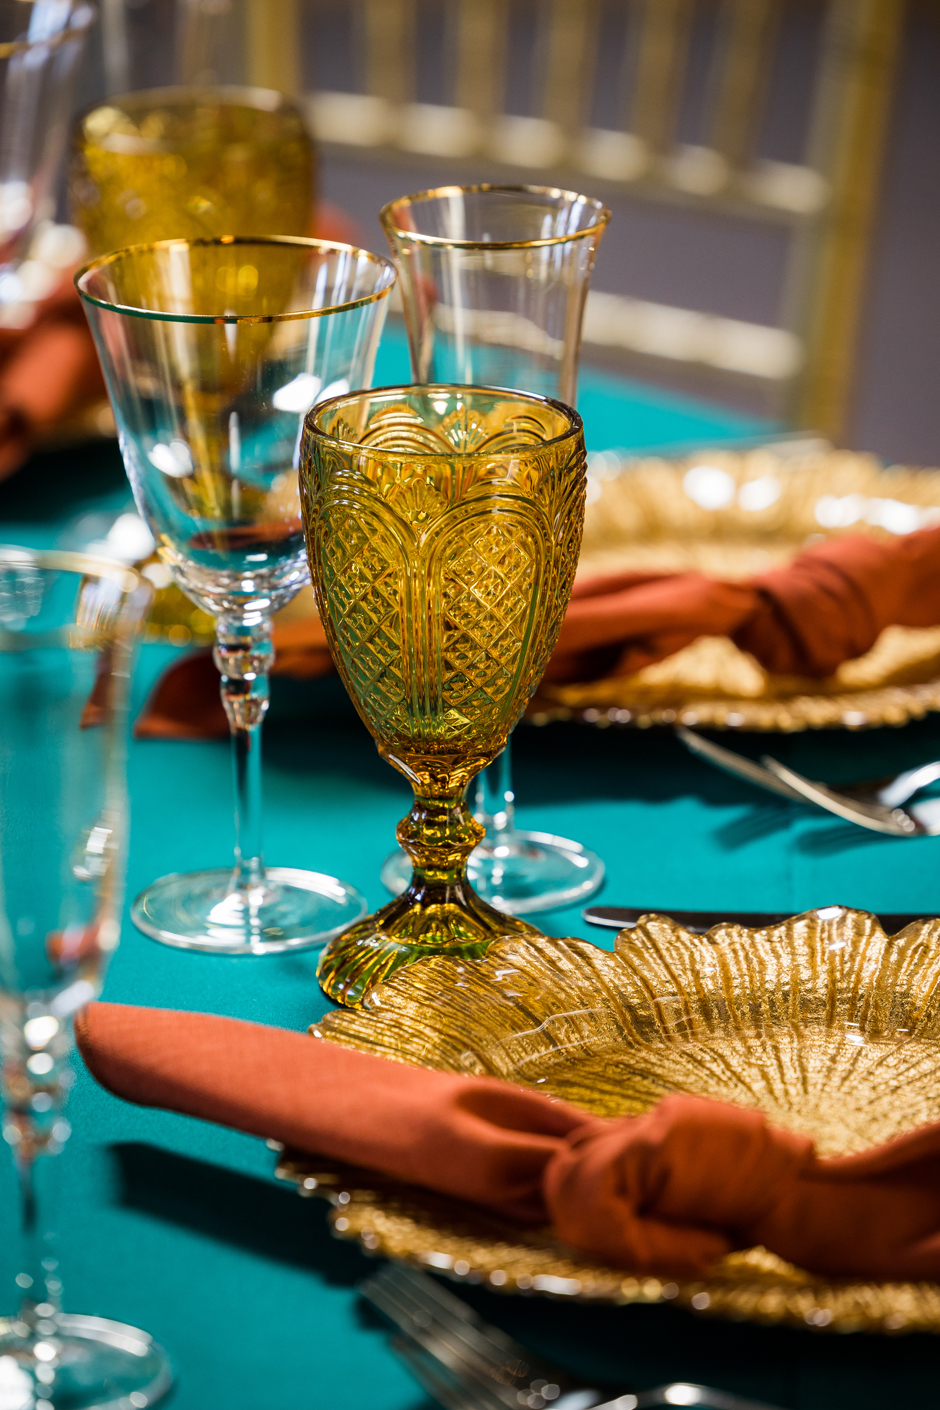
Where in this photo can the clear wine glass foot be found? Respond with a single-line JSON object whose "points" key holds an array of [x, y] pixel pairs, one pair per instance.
{"points": [[288, 909], [537, 872], [83, 1363]]}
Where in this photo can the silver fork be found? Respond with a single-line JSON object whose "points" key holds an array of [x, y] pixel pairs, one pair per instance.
{"points": [[467, 1364], [875, 804]]}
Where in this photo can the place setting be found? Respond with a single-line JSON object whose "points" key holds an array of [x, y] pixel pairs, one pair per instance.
{"points": [[721, 1114]]}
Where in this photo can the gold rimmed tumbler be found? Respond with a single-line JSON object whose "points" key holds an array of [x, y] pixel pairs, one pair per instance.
{"points": [[494, 281], [443, 529], [213, 351]]}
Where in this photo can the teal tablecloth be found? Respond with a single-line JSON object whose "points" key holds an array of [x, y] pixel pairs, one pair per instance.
{"points": [[179, 1227]]}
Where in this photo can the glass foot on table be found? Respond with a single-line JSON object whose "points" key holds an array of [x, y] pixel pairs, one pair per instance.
{"points": [[537, 872], [292, 910], [82, 1363]]}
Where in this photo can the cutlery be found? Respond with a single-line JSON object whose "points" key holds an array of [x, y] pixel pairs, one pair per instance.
{"points": [[467, 1364], [699, 922], [875, 804]]}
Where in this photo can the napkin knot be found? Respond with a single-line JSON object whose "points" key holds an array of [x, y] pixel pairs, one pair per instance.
{"points": [[674, 1189]]}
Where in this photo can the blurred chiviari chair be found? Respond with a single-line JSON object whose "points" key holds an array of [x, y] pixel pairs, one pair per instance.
{"points": [[574, 48]]}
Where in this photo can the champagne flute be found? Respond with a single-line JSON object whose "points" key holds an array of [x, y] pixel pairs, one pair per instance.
{"points": [[213, 351], [494, 281], [67, 631]]}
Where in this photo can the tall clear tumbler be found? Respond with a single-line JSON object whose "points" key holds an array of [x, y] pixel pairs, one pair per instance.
{"points": [[67, 631], [213, 351], [494, 281], [41, 43]]}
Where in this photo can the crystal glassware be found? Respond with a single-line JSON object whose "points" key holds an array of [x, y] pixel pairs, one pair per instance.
{"points": [[494, 281], [443, 528], [213, 351], [68, 625], [191, 163], [41, 43]]}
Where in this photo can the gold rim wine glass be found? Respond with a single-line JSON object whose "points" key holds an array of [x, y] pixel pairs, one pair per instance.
{"points": [[213, 351], [443, 529], [494, 281]]}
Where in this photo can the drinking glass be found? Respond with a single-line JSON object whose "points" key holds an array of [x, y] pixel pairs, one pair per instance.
{"points": [[40, 46], [191, 163], [494, 281], [67, 629], [443, 528], [212, 351]]}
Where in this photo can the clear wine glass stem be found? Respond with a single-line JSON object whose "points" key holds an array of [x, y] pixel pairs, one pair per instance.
{"points": [[244, 654], [38, 1268], [495, 805], [35, 1127]]}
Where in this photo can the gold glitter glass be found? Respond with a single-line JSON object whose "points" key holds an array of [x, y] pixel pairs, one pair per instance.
{"points": [[443, 528], [191, 163]]}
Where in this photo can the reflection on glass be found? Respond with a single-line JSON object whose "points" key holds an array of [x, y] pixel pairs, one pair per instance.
{"points": [[40, 48], [494, 281], [67, 631], [212, 352]]}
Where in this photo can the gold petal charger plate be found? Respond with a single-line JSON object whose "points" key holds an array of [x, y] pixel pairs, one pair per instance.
{"points": [[734, 514], [823, 1022]]}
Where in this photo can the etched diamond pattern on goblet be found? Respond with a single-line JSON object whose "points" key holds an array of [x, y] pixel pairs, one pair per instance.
{"points": [[443, 527]]}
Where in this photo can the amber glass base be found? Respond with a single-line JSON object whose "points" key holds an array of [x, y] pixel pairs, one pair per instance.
{"points": [[425, 921]]}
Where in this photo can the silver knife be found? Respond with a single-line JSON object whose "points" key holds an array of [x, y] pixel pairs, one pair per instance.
{"points": [[699, 922]]}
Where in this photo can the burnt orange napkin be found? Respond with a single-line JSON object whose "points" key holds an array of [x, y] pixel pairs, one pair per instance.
{"points": [[49, 372], [667, 1192], [828, 606]]}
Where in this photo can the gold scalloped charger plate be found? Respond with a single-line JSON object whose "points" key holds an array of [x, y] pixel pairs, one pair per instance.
{"points": [[823, 1022], [733, 514]]}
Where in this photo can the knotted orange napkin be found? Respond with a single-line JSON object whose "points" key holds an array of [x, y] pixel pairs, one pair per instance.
{"points": [[828, 606], [48, 373], [667, 1192]]}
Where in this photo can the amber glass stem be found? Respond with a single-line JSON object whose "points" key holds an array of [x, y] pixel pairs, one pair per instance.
{"points": [[244, 654], [439, 834]]}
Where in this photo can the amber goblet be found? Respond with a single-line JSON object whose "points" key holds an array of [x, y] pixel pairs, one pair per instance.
{"points": [[443, 528]]}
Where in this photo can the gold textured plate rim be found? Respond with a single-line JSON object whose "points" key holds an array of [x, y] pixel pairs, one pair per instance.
{"points": [[893, 705], [387, 1219], [444, 1235]]}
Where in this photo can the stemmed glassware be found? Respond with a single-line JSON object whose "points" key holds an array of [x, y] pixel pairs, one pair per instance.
{"points": [[67, 631], [443, 526], [213, 351], [494, 281]]}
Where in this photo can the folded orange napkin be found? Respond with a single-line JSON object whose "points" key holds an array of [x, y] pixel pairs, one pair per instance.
{"points": [[668, 1192], [828, 606], [48, 373]]}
